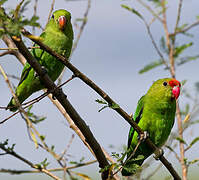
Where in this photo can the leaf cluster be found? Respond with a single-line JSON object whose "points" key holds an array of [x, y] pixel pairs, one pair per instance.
{"points": [[13, 21], [33, 117], [4, 145], [43, 164]]}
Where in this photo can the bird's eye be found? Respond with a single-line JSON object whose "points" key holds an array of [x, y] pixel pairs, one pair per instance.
{"points": [[53, 16], [165, 83]]}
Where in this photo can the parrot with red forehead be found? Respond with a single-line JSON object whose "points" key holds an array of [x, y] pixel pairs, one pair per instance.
{"points": [[155, 114], [58, 35]]}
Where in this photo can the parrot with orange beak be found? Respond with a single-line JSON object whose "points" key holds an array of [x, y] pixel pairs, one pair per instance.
{"points": [[155, 114], [58, 35]]}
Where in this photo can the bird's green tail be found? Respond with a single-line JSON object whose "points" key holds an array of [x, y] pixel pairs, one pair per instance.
{"points": [[12, 105]]}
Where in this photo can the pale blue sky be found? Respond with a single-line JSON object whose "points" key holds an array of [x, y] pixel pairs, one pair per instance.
{"points": [[113, 48]]}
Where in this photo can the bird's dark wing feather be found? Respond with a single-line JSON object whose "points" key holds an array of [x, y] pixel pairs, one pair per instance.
{"points": [[137, 116], [37, 53]]}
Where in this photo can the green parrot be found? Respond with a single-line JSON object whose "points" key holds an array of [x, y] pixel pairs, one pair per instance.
{"points": [[58, 35], [155, 114]]}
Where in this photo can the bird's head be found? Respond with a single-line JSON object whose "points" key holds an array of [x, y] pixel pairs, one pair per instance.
{"points": [[61, 18], [168, 88]]}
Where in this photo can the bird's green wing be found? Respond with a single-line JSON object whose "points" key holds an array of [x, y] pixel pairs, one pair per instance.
{"points": [[25, 73], [137, 116], [37, 53]]}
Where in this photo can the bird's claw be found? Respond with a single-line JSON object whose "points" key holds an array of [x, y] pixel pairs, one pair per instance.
{"points": [[143, 136], [158, 153], [35, 74]]}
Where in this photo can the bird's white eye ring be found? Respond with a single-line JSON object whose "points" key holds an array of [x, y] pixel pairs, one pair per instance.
{"points": [[165, 83]]}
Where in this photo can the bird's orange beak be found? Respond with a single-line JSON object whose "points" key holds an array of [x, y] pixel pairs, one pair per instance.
{"points": [[175, 87], [62, 22]]}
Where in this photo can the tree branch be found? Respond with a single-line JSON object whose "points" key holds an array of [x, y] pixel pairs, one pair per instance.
{"points": [[105, 96], [61, 97]]}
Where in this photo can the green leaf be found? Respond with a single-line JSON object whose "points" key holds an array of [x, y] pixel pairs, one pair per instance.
{"points": [[115, 155], [24, 7], [139, 157], [181, 140], [170, 148], [34, 118], [180, 49], [131, 168], [180, 28], [114, 106], [194, 122], [163, 45], [103, 108], [43, 164], [132, 10], [151, 66], [193, 161], [106, 168], [101, 101], [184, 60], [78, 163], [194, 141]]}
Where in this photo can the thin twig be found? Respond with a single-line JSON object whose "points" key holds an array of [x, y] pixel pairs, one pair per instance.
{"points": [[11, 171], [185, 29], [51, 10], [168, 43], [85, 19], [182, 152], [9, 49], [34, 14], [155, 45], [178, 15], [11, 152], [150, 10]]}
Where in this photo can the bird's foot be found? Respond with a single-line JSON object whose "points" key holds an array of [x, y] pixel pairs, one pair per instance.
{"points": [[35, 74], [143, 136], [158, 153]]}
